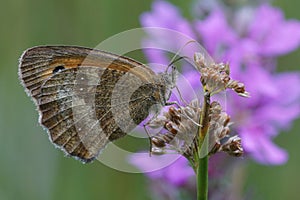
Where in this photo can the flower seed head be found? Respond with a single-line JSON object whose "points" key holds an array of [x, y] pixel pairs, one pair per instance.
{"points": [[179, 129], [215, 78]]}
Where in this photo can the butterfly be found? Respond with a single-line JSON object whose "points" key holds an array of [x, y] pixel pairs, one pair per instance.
{"points": [[87, 98]]}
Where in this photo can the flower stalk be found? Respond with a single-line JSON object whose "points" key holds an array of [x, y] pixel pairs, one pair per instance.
{"points": [[202, 167], [202, 179], [213, 122], [196, 131]]}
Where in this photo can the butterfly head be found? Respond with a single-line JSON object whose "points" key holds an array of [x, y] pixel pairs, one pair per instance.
{"points": [[168, 81]]}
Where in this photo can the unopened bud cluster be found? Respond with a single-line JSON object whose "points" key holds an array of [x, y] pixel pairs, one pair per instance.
{"points": [[219, 138], [187, 129], [215, 77], [180, 131], [180, 128]]}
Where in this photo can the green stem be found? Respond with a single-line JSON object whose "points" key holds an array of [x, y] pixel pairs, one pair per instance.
{"points": [[202, 179], [202, 164]]}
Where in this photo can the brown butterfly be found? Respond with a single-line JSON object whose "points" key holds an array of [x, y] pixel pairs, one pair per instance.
{"points": [[87, 98]]}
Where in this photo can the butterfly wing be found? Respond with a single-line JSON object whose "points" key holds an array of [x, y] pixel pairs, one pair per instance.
{"points": [[86, 97]]}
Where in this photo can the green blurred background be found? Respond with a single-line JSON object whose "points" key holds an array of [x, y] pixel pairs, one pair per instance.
{"points": [[31, 168]]}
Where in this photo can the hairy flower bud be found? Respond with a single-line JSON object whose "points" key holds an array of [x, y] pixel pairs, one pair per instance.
{"points": [[215, 77]]}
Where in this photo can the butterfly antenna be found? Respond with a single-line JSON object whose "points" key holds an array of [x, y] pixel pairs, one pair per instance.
{"points": [[174, 59]]}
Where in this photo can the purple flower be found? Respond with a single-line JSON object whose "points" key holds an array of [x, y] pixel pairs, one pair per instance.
{"points": [[166, 15], [274, 34], [250, 39], [271, 111], [215, 33], [251, 52]]}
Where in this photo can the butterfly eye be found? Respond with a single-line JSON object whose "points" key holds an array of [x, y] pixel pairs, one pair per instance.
{"points": [[152, 98], [58, 69]]}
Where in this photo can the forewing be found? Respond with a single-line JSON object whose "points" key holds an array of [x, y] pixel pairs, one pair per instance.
{"points": [[73, 88]]}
